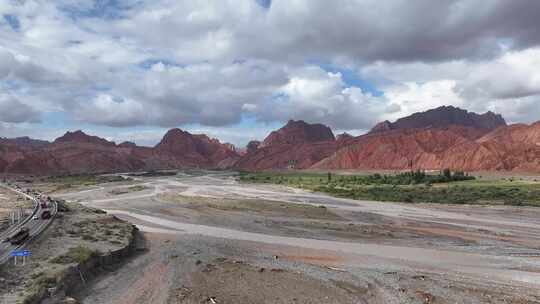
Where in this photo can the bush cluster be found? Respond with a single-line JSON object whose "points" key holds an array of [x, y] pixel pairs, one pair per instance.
{"points": [[412, 187]]}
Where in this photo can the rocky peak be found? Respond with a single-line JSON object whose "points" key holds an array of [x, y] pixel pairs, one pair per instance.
{"points": [[81, 137], [212, 146], [176, 140], [252, 146], [230, 146], [298, 131], [127, 144], [443, 117], [382, 127], [343, 137]]}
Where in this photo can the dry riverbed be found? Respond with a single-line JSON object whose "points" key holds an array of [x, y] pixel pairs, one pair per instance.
{"points": [[212, 239]]}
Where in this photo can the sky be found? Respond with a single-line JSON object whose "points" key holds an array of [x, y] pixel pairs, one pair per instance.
{"points": [[237, 69]]}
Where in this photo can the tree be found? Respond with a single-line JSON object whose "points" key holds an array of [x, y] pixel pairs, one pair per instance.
{"points": [[447, 174]]}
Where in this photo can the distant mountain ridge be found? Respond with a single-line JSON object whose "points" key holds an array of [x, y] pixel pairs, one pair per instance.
{"points": [[445, 137], [81, 137], [24, 141], [441, 117], [78, 152]]}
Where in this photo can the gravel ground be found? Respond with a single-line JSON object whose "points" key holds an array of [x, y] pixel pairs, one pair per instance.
{"points": [[214, 240], [195, 269]]}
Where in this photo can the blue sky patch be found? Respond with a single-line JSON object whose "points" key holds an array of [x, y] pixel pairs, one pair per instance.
{"points": [[105, 9], [148, 63], [264, 3], [13, 21], [351, 78]]}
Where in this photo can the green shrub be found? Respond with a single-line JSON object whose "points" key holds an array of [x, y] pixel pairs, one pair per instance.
{"points": [[79, 254], [413, 187], [513, 202]]}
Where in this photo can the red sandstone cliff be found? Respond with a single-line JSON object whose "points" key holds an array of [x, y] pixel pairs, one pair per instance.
{"points": [[296, 145], [515, 147], [296, 132], [77, 152]]}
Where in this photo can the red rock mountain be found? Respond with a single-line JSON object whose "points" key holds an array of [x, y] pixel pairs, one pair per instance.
{"points": [[509, 148], [435, 139], [77, 152], [445, 137], [296, 132], [344, 139], [195, 150], [441, 117], [296, 145], [127, 144], [252, 146], [82, 138], [517, 147], [23, 142]]}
